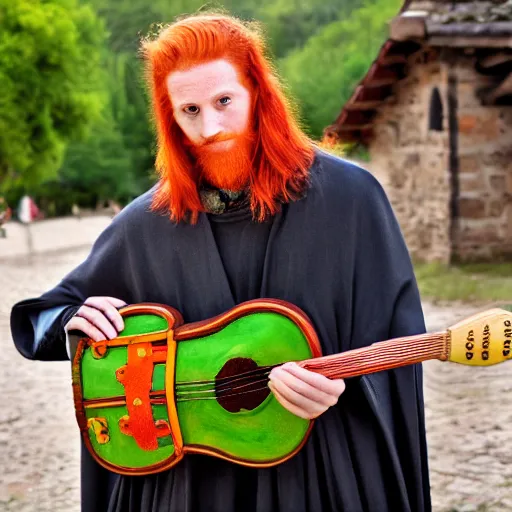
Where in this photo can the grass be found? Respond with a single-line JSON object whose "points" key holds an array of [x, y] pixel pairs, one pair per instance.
{"points": [[476, 282]]}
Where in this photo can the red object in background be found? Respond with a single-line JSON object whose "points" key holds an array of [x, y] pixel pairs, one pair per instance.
{"points": [[5, 216], [34, 210], [28, 210]]}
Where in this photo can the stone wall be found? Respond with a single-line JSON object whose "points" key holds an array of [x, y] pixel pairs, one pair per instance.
{"points": [[484, 227], [412, 162]]}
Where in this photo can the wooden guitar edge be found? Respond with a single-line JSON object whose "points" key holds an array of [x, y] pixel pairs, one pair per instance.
{"points": [[182, 332], [215, 324], [197, 450]]}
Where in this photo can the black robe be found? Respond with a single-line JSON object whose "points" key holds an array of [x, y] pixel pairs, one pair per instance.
{"points": [[338, 254]]}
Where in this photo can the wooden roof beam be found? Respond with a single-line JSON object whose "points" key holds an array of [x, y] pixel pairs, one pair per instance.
{"points": [[380, 82], [353, 127], [471, 35], [409, 25], [392, 48], [379, 76], [504, 89], [497, 59], [496, 29], [471, 42], [415, 26], [363, 94], [390, 60]]}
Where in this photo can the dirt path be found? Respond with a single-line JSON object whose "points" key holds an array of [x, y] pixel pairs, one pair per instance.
{"points": [[468, 415]]}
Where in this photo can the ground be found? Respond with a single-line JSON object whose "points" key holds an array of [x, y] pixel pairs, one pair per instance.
{"points": [[468, 412]]}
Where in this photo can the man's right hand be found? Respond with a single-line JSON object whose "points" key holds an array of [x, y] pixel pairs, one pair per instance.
{"points": [[98, 318]]}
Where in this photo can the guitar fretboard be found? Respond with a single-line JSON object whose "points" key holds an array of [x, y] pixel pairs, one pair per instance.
{"points": [[380, 356]]}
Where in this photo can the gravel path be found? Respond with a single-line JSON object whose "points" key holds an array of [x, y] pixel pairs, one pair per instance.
{"points": [[468, 412]]}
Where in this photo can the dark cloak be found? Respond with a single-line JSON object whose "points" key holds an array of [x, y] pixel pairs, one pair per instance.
{"points": [[338, 254]]}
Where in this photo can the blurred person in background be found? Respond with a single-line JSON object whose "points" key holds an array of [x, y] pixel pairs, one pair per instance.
{"points": [[248, 207], [28, 210], [76, 212]]}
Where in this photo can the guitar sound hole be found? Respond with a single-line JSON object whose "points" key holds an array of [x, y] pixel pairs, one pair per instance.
{"points": [[247, 391]]}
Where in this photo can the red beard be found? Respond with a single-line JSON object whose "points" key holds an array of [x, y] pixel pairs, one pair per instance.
{"points": [[227, 169]]}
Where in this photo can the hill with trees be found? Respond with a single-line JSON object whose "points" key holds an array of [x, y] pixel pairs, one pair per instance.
{"points": [[75, 126]]}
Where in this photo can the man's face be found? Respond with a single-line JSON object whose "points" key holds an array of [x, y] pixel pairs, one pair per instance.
{"points": [[210, 104]]}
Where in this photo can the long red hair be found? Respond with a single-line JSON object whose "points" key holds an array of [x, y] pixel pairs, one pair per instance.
{"points": [[282, 152]]}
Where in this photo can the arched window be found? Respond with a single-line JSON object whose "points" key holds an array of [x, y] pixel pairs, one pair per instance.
{"points": [[435, 117]]}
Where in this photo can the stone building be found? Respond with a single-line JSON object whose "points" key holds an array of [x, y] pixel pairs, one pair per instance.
{"points": [[435, 112]]}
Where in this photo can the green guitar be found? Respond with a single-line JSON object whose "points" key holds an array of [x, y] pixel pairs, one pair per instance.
{"points": [[163, 389]]}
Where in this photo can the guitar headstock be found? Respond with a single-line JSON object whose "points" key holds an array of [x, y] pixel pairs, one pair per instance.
{"points": [[483, 339]]}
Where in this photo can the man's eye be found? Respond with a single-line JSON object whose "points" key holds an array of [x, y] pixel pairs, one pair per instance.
{"points": [[192, 109], [225, 100]]}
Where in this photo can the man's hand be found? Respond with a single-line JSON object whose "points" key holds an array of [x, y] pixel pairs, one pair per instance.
{"points": [[98, 318], [304, 393]]}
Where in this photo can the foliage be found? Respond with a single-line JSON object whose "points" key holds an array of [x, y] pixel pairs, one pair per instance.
{"points": [[132, 115], [323, 74], [114, 161], [465, 282], [94, 171], [290, 23], [74, 99], [50, 75], [128, 20]]}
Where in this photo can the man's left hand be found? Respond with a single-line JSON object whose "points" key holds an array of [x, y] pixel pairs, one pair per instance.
{"points": [[304, 393]]}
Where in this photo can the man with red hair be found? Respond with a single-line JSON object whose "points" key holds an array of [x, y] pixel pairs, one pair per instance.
{"points": [[246, 207]]}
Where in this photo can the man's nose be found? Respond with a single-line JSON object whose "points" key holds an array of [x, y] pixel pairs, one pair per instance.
{"points": [[211, 125]]}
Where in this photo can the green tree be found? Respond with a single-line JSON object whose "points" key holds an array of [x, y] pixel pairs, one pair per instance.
{"points": [[323, 48], [99, 168], [50, 76], [128, 20], [94, 171], [290, 23], [136, 124], [114, 160], [323, 74]]}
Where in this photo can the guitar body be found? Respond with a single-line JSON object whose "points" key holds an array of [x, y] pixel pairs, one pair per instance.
{"points": [[162, 389]]}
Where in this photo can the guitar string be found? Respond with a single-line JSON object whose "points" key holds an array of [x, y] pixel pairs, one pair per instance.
{"points": [[229, 379], [223, 394], [256, 380], [235, 382], [214, 387], [220, 393], [186, 399]]}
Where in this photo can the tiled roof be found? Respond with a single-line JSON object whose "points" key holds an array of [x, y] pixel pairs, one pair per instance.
{"points": [[472, 12], [448, 20]]}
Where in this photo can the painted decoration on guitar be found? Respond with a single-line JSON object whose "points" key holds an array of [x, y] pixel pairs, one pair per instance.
{"points": [[162, 389]]}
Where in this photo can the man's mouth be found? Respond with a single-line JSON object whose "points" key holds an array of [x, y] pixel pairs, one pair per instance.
{"points": [[219, 144]]}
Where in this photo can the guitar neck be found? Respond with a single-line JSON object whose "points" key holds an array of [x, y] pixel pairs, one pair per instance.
{"points": [[380, 356]]}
